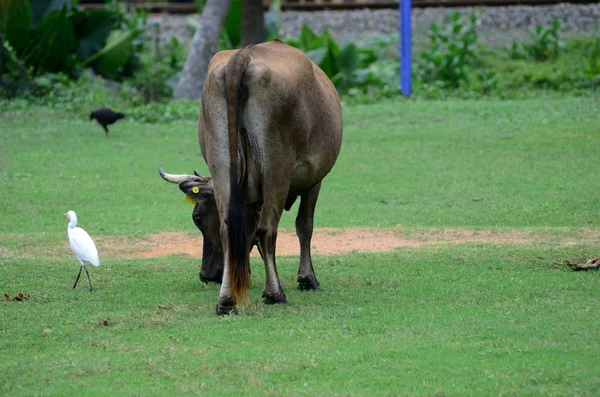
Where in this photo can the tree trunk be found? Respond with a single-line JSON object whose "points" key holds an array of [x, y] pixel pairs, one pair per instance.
{"points": [[253, 22], [204, 45]]}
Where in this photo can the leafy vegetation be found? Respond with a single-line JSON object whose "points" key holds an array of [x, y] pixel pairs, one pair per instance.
{"points": [[546, 44], [451, 53], [158, 74], [454, 64], [63, 37], [591, 67], [346, 65]]}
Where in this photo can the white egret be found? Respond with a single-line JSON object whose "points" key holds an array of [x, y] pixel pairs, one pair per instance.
{"points": [[82, 246]]}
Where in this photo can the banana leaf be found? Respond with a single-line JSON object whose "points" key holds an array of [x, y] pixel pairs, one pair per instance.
{"points": [[232, 29], [39, 8], [52, 44], [15, 23], [110, 59], [92, 28]]}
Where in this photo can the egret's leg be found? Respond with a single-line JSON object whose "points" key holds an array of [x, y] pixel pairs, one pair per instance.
{"points": [[78, 275], [89, 281]]}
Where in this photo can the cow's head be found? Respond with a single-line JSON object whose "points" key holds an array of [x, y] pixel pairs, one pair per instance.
{"points": [[199, 191]]}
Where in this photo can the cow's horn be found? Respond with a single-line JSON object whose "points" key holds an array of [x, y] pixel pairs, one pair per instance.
{"points": [[178, 178], [205, 179]]}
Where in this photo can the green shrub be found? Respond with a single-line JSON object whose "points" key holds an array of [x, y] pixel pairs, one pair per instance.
{"points": [[451, 53], [516, 51], [16, 77], [546, 44], [158, 75], [591, 68], [487, 81], [346, 66]]}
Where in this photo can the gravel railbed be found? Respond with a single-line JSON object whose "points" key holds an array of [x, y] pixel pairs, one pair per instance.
{"points": [[498, 24]]}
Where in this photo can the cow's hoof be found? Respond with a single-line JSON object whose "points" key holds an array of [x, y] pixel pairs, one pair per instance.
{"points": [[271, 299], [225, 306], [307, 283]]}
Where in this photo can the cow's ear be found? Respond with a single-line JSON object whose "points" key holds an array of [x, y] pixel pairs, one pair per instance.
{"points": [[198, 191]]}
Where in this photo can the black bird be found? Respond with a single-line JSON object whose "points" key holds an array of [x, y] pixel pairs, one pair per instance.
{"points": [[105, 116]]}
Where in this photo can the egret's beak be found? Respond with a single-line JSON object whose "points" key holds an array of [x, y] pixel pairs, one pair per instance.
{"points": [[65, 214], [190, 200]]}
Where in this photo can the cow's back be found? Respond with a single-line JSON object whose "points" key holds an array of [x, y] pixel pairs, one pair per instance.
{"points": [[291, 114]]}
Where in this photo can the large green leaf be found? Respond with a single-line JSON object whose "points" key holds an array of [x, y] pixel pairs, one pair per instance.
{"points": [[329, 63], [347, 63], [15, 23], [233, 24], [328, 40], [348, 59], [39, 8], [53, 44], [110, 59], [92, 28], [308, 39]]}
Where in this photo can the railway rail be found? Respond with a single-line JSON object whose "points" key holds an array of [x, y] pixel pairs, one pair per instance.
{"points": [[190, 8]]}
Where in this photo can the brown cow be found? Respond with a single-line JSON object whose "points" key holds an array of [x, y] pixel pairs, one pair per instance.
{"points": [[270, 130]]}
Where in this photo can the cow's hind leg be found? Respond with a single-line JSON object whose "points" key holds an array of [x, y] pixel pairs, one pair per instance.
{"points": [[267, 236], [304, 229]]}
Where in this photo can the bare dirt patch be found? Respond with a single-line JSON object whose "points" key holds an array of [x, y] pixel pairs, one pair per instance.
{"points": [[324, 242]]}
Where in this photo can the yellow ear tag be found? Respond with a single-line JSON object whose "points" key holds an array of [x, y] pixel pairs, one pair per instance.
{"points": [[190, 200], [195, 189]]}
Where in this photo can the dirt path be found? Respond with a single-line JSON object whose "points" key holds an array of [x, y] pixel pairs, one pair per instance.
{"points": [[325, 241]]}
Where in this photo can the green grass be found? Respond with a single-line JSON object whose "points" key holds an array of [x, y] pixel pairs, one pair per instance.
{"points": [[531, 162], [470, 320], [446, 319]]}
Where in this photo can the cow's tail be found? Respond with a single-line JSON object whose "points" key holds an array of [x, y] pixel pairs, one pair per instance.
{"points": [[239, 267]]}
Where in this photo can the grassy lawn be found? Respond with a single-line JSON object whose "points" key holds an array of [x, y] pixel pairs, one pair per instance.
{"points": [[474, 320], [532, 164], [447, 319]]}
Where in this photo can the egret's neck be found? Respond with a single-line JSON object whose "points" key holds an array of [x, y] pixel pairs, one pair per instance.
{"points": [[73, 223]]}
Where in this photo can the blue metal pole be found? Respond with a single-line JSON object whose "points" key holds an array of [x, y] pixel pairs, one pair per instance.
{"points": [[405, 44]]}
